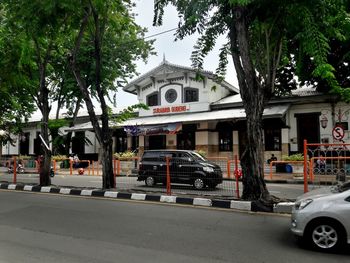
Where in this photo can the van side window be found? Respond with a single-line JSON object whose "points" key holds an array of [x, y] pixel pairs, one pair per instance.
{"points": [[151, 156], [164, 155], [184, 157]]}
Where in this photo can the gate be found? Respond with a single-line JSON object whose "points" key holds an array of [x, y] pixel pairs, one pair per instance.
{"points": [[326, 163]]}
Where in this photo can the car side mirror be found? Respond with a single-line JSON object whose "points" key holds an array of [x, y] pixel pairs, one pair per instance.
{"points": [[190, 159]]}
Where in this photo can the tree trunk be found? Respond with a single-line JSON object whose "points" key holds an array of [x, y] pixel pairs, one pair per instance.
{"points": [[252, 161], [253, 96], [45, 163], [107, 165]]}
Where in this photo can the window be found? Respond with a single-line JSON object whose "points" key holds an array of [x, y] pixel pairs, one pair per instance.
{"points": [[225, 140], [225, 130], [170, 95], [78, 143], [152, 99], [121, 141], [24, 143], [37, 144], [191, 94], [272, 139]]}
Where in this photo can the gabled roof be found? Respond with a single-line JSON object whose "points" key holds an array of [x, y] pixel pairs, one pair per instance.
{"points": [[236, 100], [166, 67]]}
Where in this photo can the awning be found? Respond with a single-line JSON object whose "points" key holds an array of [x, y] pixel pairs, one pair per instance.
{"points": [[275, 111], [171, 128]]}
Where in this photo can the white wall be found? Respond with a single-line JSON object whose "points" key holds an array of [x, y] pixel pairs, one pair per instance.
{"points": [[340, 113]]}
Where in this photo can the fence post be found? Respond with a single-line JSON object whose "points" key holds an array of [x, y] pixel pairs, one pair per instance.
{"points": [[54, 166], [89, 166], [14, 170], [228, 168], [311, 170], [236, 175], [305, 168], [115, 167], [71, 167], [118, 167], [271, 164], [168, 188]]}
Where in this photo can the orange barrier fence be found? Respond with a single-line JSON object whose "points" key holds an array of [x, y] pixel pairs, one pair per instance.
{"points": [[273, 164], [335, 169], [71, 165]]}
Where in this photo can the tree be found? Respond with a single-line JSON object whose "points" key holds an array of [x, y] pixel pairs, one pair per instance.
{"points": [[258, 33], [15, 103], [109, 35], [39, 40]]}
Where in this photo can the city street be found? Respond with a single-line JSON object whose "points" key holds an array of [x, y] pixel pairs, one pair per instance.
{"points": [[49, 228]]}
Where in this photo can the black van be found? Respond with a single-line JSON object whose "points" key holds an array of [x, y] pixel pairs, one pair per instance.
{"points": [[186, 167]]}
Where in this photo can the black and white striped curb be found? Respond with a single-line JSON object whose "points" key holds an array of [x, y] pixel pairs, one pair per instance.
{"points": [[205, 202]]}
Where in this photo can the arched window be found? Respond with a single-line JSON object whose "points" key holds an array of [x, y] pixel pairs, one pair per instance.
{"points": [[191, 95], [152, 99]]}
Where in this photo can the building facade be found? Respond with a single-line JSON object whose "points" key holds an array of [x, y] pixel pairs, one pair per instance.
{"points": [[193, 110]]}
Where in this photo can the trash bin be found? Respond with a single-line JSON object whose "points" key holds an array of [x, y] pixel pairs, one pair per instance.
{"points": [[289, 168], [280, 167]]}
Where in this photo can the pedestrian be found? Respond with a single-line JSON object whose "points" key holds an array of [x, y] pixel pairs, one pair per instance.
{"points": [[272, 158], [321, 163]]}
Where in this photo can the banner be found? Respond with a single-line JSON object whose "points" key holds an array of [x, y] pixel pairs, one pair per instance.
{"points": [[171, 128]]}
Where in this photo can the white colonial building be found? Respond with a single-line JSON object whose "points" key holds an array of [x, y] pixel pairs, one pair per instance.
{"points": [[193, 110]]}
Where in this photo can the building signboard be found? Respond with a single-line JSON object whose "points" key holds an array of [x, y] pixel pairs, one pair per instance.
{"points": [[170, 109]]}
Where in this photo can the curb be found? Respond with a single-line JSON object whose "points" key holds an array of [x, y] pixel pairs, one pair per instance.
{"points": [[203, 202]]}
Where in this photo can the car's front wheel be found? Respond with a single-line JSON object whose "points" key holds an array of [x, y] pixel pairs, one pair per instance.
{"points": [[150, 181], [325, 235], [198, 183]]}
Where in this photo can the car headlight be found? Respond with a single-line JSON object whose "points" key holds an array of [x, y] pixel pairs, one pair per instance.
{"points": [[208, 169], [302, 204]]}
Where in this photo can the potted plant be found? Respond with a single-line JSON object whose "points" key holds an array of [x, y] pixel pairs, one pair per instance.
{"points": [[59, 159], [126, 161], [298, 167], [201, 152]]}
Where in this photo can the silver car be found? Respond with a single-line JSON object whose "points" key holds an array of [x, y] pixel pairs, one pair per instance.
{"points": [[322, 217]]}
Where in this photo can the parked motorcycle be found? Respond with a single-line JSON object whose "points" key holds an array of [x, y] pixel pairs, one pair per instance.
{"points": [[52, 172], [19, 169]]}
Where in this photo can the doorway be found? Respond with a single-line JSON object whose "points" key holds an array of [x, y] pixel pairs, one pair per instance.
{"points": [[308, 128], [155, 142]]}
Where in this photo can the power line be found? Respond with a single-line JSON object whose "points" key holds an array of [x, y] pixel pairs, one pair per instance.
{"points": [[160, 33]]}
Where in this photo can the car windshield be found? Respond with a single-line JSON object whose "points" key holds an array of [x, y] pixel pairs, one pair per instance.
{"points": [[341, 187], [198, 157]]}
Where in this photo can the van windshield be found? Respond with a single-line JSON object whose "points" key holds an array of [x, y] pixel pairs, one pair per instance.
{"points": [[198, 157]]}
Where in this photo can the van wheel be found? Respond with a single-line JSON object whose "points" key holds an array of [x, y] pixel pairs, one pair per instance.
{"points": [[150, 181], [198, 184]]}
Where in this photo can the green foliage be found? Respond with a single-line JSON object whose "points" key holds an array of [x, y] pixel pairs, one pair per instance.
{"points": [[201, 152], [129, 112], [59, 157], [124, 155], [24, 157], [269, 42], [293, 157], [16, 104]]}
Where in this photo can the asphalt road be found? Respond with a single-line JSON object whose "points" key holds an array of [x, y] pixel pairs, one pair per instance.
{"points": [[49, 228]]}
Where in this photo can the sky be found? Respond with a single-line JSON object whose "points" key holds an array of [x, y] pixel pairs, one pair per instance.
{"points": [[178, 52]]}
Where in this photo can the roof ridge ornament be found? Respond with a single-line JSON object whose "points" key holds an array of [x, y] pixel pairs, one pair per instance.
{"points": [[164, 59]]}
